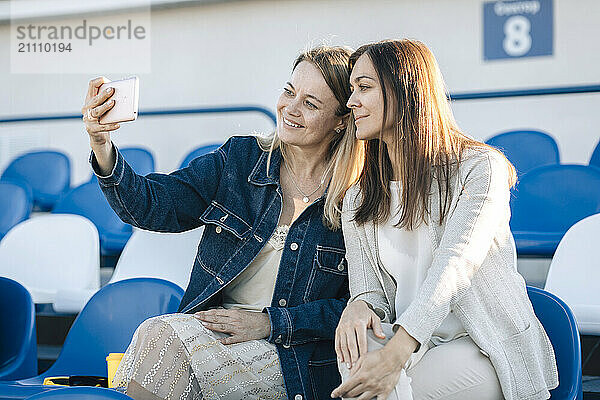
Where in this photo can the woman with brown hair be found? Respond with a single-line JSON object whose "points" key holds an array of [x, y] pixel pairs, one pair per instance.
{"points": [[437, 307], [269, 281]]}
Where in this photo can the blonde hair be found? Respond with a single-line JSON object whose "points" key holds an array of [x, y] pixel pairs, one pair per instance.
{"points": [[345, 153]]}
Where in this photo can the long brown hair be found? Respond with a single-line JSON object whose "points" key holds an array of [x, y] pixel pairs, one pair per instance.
{"points": [[427, 141], [345, 152]]}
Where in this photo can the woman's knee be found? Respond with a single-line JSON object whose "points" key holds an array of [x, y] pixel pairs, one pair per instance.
{"points": [[455, 370], [152, 329], [152, 324], [375, 343]]}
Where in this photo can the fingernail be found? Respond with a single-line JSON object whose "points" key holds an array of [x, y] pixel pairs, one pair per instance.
{"points": [[348, 365], [108, 90]]}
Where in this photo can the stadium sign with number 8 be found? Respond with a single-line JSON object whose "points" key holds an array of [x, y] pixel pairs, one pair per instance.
{"points": [[515, 29]]}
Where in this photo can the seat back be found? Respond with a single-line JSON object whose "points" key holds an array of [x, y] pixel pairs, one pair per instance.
{"points": [[553, 198], [16, 201], [50, 252], [197, 153], [88, 200], [47, 172], [574, 271], [559, 323], [169, 256], [139, 158], [80, 393], [527, 149], [18, 348], [595, 159], [107, 323]]}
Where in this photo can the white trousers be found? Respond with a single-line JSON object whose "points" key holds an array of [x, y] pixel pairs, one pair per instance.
{"points": [[450, 371]]}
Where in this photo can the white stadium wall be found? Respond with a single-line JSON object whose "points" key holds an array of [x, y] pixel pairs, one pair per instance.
{"points": [[240, 52]]}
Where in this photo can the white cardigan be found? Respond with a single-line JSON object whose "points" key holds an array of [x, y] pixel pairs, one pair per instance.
{"points": [[473, 273]]}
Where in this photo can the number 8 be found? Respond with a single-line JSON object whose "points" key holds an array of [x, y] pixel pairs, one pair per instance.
{"points": [[517, 40]]}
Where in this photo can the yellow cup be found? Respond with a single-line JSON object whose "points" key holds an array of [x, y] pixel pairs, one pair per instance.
{"points": [[112, 363]]}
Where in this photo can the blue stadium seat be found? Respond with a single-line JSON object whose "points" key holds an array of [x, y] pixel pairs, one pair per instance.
{"points": [[198, 152], [595, 159], [559, 323], [80, 393], [47, 172], [548, 201], [527, 149], [107, 322], [18, 347], [106, 325], [88, 200], [16, 201], [19, 391], [140, 159]]}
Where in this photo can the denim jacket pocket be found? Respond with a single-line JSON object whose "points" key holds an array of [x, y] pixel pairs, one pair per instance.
{"points": [[225, 220], [324, 377], [224, 234], [330, 269]]}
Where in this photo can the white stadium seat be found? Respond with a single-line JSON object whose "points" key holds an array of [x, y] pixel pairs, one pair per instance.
{"points": [[51, 253], [147, 254], [168, 256], [575, 272]]}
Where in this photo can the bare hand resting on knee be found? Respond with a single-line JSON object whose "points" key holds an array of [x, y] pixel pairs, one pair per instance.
{"points": [[351, 332], [241, 325], [376, 373]]}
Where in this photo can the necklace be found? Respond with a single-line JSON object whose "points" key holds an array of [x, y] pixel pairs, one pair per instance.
{"points": [[306, 197]]}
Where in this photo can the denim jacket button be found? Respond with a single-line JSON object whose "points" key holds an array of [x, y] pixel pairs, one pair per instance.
{"points": [[282, 302], [298, 397], [341, 267], [294, 246], [218, 229], [278, 340]]}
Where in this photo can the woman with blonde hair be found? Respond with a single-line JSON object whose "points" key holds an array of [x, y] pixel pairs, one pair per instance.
{"points": [[437, 308], [269, 281]]}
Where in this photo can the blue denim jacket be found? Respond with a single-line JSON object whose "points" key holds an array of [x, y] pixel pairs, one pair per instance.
{"points": [[230, 193]]}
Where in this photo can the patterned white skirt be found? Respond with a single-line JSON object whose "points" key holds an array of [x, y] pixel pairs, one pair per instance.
{"points": [[174, 356]]}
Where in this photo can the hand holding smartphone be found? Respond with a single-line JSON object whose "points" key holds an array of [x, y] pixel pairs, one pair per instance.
{"points": [[126, 94]]}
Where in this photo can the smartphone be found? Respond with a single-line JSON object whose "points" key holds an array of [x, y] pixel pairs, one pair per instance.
{"points": [[126, 101]]}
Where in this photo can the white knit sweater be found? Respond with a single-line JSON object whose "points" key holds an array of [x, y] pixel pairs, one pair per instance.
{"points": [[473, 273]]}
